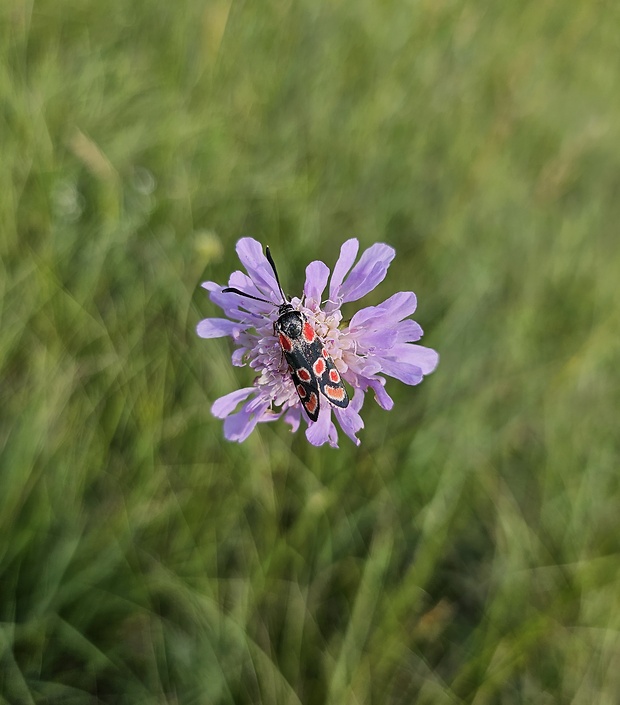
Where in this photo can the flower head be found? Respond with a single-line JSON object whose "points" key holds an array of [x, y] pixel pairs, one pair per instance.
{"points": [[377, 341]]}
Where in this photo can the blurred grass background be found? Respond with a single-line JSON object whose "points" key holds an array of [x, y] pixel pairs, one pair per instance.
{"points": [[467, 552]]}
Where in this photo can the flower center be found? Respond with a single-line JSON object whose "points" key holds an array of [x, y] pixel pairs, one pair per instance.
{"points": [[267, 358], [335, 339]]}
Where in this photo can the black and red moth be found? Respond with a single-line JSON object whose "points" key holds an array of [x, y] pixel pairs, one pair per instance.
{"points": [[311, 366]]}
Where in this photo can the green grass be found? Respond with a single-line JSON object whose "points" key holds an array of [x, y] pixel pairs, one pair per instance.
{"points": [[468, 551]]}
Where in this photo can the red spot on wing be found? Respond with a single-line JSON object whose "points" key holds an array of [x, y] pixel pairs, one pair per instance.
{"points": [[301, 391], [308, 332], [325, 353], [303, 374], [311, 404], [285, 343], [335, 393], [334, 376], [319, 367]]}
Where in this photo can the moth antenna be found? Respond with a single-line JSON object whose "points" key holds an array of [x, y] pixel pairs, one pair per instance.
{"points": [[275, 271], [232, 290]]}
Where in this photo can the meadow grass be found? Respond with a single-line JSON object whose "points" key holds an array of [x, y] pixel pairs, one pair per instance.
{"points": [[467, 552]]}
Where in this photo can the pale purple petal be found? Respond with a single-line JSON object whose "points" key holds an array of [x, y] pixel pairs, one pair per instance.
{"points": [[247, 340], [400, 305], [408, 332], [349, 419], [364, 366], [238, 357], [218, 327], [385, 314], [269, 415], [232, 304], [381, 339], [357, 402], [257, 405], [241, 281], [424, 358], [243, 310], [404, 371], [239, 426], [362, 319], [252, 257], [333, 434], [323, 430], [225, 405], [317, 274], [409, 362], [293, 417], [382, 398], [348, 253], [367, 273]]}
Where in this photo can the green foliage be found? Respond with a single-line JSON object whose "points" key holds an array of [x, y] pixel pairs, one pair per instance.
{"points": [[467, 552]]}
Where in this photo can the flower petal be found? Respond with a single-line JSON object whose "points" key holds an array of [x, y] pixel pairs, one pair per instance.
{"points": [[323, 430], [317, 274], [400, 305], [368, 272], [424, 358], [388, 313], [409, 362], [408, 331], [218, 327], [251, 254], [404, 371], [238, 427], [232, 304], [225, 405], [240, 280], [382, 398], [349, 419], [348, 253], [238, 357], [364, 366], [293, 417], [377, 339]]}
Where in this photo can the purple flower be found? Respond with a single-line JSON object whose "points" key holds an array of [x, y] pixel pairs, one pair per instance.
{"points": [[377, 341]]}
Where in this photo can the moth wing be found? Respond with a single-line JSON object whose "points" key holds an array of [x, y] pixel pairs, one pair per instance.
{"points": [[331, 385], [308, 396], [305, 382], [326, 374]]}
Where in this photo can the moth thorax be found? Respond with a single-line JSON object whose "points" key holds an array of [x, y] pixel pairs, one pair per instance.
{"points": [[291, 324]]}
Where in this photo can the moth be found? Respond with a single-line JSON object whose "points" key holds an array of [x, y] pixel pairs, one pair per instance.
{"points": [[310, 365]]}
